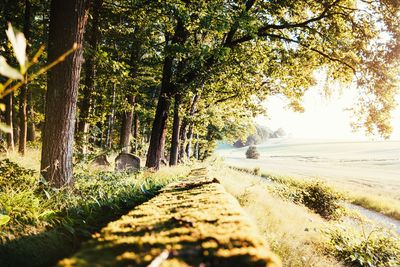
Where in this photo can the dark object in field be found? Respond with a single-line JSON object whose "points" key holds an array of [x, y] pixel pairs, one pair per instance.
{"points": [[127, 162], [252, 153], [101, 161]]}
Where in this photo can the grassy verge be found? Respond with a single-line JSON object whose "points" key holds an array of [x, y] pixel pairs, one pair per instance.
{"points": [[301, 237], [291, 230], [385, 205], [38, 221]]}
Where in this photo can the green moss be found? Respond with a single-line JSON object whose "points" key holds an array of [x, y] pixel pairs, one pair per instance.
{"points": [[188, 223]]}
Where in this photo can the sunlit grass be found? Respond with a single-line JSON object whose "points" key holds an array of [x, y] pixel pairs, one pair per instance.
{"points": [[387, 206], [291, 230], [372, 199]]}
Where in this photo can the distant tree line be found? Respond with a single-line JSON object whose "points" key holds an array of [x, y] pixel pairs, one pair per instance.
{"points": [[261, 135]]}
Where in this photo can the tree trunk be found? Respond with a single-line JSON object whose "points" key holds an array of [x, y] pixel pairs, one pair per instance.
{"points": [[31, 134], [136, 126], [173, 160], [159, 130], [188, 149], [15, 119], [182, 137], [8, 99], [185, 123], [196, 147], [126, 125], [23, 118], [85, 106], [67, 24], [110, 127], [158, 133]]}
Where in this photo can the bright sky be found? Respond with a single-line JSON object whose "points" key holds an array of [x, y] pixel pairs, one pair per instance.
{"points": [[324, 118]]}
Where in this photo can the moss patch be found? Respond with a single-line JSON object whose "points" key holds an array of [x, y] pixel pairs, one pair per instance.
{"points": [[190, 223]]}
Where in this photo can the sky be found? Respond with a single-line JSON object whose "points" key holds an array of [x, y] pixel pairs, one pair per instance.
{"points": [[324, 118]]}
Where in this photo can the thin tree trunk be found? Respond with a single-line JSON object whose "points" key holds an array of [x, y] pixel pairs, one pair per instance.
{"points": [[15, 119], [126, 125], [185, 123], [85, 106], [182, 137], [173, 160], [136, 126], [188, 149], [8, 99], [110, 127], [23, 119], [67, 24], [196, 147], [31, 134]]}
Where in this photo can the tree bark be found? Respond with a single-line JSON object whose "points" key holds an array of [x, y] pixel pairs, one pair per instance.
{"points": [[15, 119], [173, 160], [188, 149], [23, 118], [185, 123], [31, 134], [85, 106], [67, 24], [136, 126], [110, 127], [8, 99], [158, 132], [126, 125]]}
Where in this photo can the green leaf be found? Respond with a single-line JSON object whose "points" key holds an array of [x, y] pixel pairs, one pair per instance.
{"points": [[4, 219]]}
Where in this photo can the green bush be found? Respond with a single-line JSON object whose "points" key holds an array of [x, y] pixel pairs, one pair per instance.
{"points": [[315, 194], [378, 248], [252, 153]]}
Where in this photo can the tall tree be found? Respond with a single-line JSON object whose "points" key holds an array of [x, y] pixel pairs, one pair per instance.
{"points": [[67, 24], [23, 118], [86, 105]]}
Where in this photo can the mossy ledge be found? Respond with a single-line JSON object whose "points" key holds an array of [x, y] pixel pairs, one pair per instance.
{"points": [[194, 222]]}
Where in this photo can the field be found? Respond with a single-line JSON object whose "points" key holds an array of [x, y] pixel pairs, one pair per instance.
{"points": [[357, 167]]}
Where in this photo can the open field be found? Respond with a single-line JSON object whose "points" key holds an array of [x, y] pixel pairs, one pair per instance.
{"points": [[357, 167]]}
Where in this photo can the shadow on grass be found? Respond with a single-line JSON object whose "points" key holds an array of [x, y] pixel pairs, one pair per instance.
{"points": [[48, 247]]}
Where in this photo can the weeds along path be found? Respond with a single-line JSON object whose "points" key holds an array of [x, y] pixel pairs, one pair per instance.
{"points": [[194, 222], [373, 216]]}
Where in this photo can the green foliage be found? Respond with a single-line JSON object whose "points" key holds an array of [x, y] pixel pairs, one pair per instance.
{"points": [[29, 205], [365, 248], [315, 194], [252, 153]]}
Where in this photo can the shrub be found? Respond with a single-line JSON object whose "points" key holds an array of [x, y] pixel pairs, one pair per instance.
{"points": [[315, 195], [358, 248], [252, 153]]}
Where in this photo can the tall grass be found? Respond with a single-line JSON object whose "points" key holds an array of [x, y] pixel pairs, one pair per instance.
{"points": [[291, 230], [33, 206]]}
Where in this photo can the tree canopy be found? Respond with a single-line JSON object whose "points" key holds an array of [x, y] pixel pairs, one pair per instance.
{"points": [[211, 64]]}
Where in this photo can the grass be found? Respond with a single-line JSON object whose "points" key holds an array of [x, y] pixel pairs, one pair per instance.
{"points": [[351, 239], [33, 209], [386, 205], [291, 230]]}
